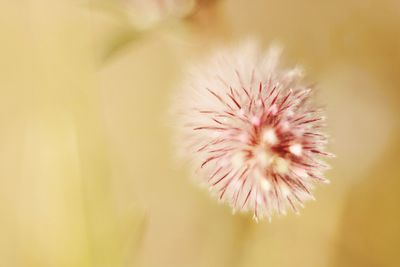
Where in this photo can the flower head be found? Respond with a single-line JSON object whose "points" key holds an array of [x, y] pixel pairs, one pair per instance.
{"points": [[252, 132]]}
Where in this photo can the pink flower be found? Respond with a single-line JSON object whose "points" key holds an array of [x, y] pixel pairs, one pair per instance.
{"points": [[252, 132]]}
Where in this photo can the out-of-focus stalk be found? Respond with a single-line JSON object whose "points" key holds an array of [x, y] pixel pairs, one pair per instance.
{"points": [[61, 206]]}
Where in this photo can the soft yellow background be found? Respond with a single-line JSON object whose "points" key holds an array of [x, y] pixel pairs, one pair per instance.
{"points": [[87, 169]]}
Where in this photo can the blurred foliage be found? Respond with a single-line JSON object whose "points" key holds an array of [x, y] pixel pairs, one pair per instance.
{"points": [[131, 24]]}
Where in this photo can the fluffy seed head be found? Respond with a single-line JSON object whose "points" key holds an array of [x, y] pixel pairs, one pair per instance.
{"points": [[251, 131]]}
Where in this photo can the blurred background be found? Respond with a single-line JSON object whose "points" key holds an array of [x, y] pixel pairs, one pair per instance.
{"points": [[88, 175]]}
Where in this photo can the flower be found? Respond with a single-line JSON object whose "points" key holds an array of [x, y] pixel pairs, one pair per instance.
{"points": [[146, 13], [252, 131]]}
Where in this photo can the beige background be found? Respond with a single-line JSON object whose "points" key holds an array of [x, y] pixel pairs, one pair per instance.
{"points": [[87, 171]]}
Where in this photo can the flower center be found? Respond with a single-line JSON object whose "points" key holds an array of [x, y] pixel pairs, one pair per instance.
{"points": [[261, 156]]}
